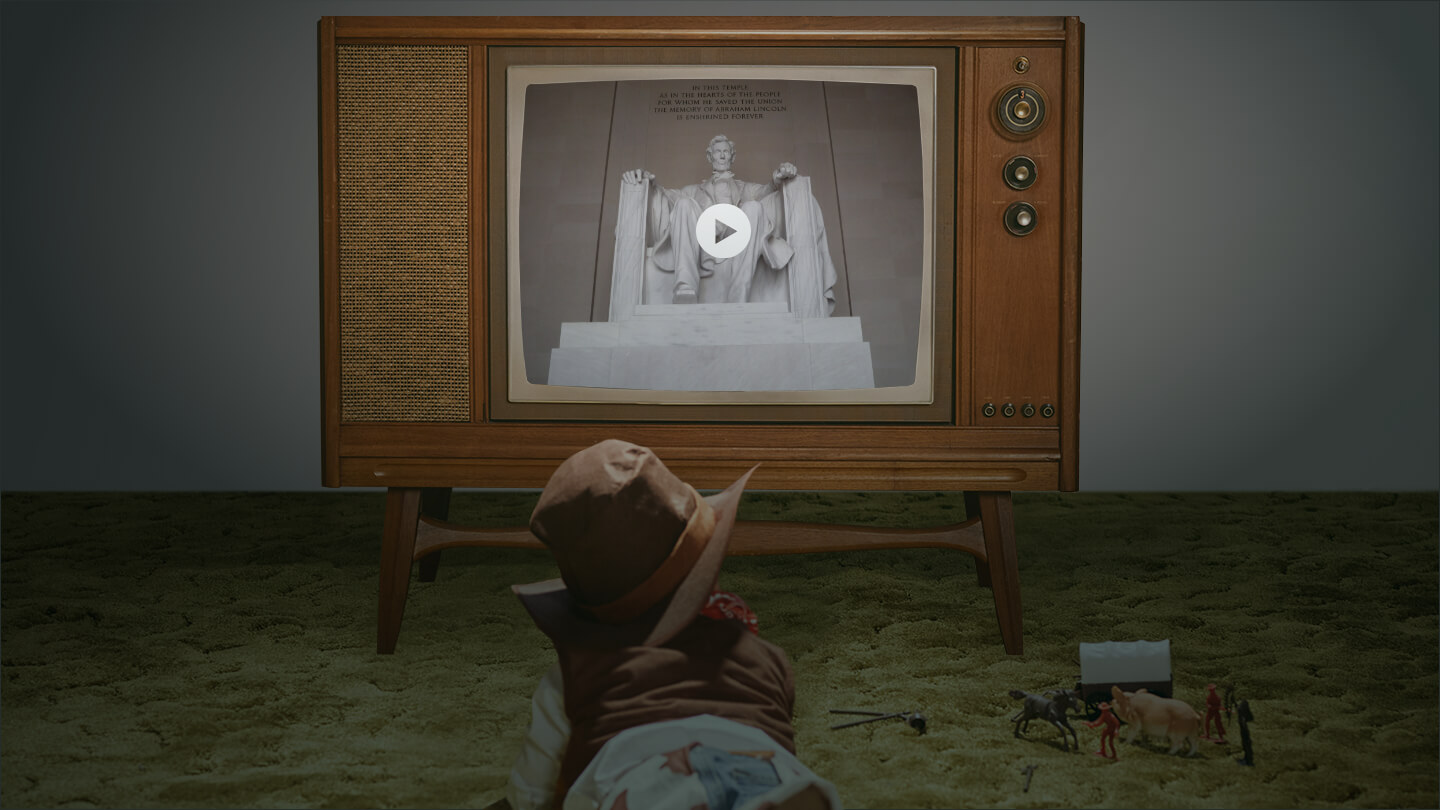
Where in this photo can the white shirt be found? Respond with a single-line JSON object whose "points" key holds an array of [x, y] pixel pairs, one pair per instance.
{"points": [[630, 762]]}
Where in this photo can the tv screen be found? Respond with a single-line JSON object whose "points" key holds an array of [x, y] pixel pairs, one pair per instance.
{"points": [[720, 234]]}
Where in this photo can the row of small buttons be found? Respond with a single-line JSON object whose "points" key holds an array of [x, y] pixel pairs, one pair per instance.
{"points": [[1027, 410]]}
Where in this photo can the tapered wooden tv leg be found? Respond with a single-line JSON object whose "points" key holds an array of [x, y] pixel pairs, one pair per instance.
{"points": [[972, 511], [397, 552], [997, 523], [435, 503]]}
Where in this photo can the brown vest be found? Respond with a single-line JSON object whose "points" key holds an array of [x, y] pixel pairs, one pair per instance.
{"points": [[712, 667]]}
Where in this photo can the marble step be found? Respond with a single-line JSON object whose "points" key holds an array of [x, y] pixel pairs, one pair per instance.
{"points": [[709, 330], [793, 366]]}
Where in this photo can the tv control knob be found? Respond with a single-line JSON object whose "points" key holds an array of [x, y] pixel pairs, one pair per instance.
{"points": [[1028, 411], [989, 409], [1047, 410], [1021, 110], [1020, 218], [1008, 410], [1020, 173], [1022, 64]]}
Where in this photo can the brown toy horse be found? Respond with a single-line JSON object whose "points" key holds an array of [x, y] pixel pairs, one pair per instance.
{"points": [[1158, 717]]}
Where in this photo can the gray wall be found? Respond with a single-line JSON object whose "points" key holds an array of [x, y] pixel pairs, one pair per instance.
{"points": [[1260, 244]]}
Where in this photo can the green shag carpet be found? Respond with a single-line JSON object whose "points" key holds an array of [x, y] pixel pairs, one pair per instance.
{"points": [[218, 650]]}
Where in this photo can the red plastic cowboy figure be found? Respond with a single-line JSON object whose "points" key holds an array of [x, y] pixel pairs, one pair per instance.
{"points": [[1212, 712], [1112, 725]]}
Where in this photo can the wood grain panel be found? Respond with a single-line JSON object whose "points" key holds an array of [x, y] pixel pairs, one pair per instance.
{"points": [[700, 30], [750, 442], [1015, 309], [965, 240], [329, 260], [748, 538], [479, 213], [1070, 255], [939, 476]]}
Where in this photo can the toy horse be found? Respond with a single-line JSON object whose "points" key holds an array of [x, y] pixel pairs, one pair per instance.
{"points": [[1051, 711]]}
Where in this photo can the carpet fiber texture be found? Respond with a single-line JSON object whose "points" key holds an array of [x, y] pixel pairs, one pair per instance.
{"points": [[218, 650]]}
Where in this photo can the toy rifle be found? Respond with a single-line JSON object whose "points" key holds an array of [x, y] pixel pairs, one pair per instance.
{"points": [[915, 720]]}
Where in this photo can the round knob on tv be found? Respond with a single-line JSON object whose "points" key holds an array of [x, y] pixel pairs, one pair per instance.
{"points": [[1021, 110], [1019, 172], [1008, 410], [1020, 218]]}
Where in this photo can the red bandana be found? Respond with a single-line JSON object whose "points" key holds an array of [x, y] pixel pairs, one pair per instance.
{"points": [[724, 605]]}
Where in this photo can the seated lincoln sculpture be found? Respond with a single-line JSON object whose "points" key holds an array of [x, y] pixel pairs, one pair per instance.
{"points": [[787, 233]]}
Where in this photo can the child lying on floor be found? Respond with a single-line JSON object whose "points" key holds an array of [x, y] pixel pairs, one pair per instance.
{"points": [[664, 694]]}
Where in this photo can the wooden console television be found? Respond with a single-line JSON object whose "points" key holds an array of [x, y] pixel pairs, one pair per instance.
{"points": [[498, 196]]}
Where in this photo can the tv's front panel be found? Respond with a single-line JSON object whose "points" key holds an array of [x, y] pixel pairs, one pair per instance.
{"points": [[410, 182]]}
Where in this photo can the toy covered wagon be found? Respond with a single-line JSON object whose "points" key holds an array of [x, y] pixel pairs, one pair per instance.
{"points": [[1130, 665]]}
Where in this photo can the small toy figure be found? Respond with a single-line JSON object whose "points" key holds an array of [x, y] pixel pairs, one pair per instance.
{"points": [[1112, 725], [1212, 712], [1158, 717], [1242, 711], [1029, 771], [1051, 711]]}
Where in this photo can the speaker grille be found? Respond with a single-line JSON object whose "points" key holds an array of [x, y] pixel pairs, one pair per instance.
{"points": [[404, 257]]}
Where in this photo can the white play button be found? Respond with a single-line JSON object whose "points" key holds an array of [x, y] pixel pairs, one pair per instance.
{"points": [[715, 222]]}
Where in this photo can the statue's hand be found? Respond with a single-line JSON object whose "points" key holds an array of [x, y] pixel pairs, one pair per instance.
{"points": [[634, 176], [785, 172]]}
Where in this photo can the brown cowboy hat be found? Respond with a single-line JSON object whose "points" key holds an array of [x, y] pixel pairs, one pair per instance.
{"points": [[638, 549]]}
